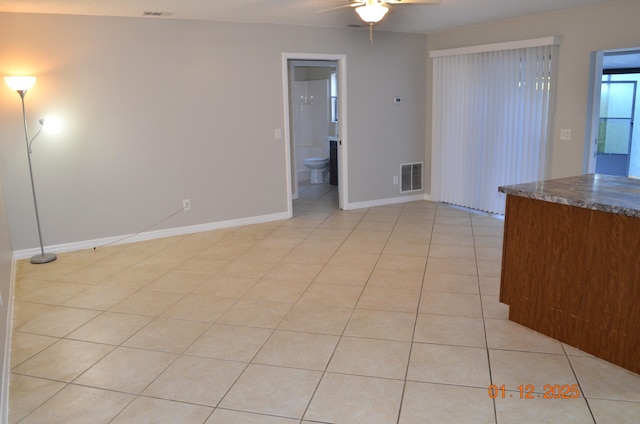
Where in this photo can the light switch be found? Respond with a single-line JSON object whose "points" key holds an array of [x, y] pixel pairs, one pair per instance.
{"points": [[278, 133]]}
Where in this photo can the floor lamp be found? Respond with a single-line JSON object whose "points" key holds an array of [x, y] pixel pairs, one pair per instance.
{"points": [[21, 85]]}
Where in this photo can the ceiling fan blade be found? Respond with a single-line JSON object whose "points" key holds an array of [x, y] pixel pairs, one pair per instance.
{"points": [[412, 1], [354, 4]]}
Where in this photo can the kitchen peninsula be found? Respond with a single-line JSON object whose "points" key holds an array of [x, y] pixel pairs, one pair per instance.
{"points": [[571, 263]]}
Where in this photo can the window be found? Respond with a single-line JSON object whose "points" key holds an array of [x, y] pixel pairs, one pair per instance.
{"points": [[333, 96]]}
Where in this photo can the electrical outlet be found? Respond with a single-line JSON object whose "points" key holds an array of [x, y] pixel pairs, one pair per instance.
{"points": [[395, 180], [565, 134], [186, 205]]}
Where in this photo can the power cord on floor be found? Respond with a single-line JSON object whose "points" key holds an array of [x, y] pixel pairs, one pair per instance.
{"points": [[141, 231]]}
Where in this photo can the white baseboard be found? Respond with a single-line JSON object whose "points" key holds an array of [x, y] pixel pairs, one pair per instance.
{"points": [[150, 235], [388, 201]]}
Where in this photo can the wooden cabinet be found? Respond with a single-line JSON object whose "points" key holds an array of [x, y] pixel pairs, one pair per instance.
{"points": [[574, 274]]}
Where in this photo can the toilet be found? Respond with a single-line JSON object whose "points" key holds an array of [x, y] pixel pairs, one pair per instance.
{"points": [[319, 168]]}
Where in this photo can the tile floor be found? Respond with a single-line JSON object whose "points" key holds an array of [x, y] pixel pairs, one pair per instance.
{"points": [[381, 315]]}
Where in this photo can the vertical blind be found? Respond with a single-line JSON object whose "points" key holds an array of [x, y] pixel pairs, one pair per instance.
{"points": [[490, 122]]}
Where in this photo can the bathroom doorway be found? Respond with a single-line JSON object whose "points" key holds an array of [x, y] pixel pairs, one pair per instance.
{"points": [[614, 142], [315, 127]]}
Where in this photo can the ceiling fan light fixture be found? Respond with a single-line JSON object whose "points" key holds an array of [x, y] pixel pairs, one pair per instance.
{"points": [[372, 12]]}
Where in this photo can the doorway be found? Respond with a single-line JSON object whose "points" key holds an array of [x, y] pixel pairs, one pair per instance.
{"points": [[614, 142], [317, 73]]}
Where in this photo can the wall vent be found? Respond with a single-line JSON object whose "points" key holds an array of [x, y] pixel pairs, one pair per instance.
{"points": [[411, 176]]}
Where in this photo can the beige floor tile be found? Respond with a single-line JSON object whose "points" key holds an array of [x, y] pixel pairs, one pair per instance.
{"points": [[452, 283], [47, 292], [135, 277], [331, 295], [543, 411], [25, 345], [456, 304], [148, 410], [202, 265], [248, 268], [226, 286], [53, 271], [492, 308], [395, 279], [77, 404], [197, 307], [99, 297], [441, 239], [402, 263], [389, 299], [450, 330], [503, 334], [231, 342], [489, 267], [513, 369], [201, 381], [386, 325], [354, 258], [288, 291], [27, 393], [224, 252], [452, 252], [603, 380], [223, 416], [256, 313], [456, 365], [401, 245], [126, 370], [110, 328], [452, 266], [147, 302], [313, 318], [343, 275], [297, 350], [610, 411], [24, 312], [355, 400], [64, 360], [294, 272], [177, 282], [371, 357], [157, 264], [366, 242], [489, 285], [426, 403], [58, 322], [272, 390], [167, 335]]}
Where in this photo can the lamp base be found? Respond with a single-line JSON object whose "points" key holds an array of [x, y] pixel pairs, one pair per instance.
{"points": [[43, 259]]}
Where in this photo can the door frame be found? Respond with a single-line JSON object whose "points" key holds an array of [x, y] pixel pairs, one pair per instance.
{"points": [[341, 60]]}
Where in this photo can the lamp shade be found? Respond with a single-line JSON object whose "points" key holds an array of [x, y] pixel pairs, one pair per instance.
{"points": [[20, 83], [372, 12]]}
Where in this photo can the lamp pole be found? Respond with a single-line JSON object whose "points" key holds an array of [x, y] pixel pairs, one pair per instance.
{"points": [[21, 85], [42, 258]]}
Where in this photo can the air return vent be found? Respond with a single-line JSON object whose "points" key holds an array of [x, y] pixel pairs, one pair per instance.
{"points": [[411, 176], [154, 13]]}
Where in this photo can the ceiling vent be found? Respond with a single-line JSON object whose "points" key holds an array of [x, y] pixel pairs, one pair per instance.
{"points": [[153, 13]]}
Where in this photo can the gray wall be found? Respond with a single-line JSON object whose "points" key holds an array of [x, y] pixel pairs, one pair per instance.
{"points": [[610, 25], [6, 257], [156, 111]]}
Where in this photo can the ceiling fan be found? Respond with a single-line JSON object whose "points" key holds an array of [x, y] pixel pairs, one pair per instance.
{"points": [[373, 11]]}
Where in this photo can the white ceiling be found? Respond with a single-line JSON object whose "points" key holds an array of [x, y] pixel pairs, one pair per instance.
{"points": [[408, 18]]}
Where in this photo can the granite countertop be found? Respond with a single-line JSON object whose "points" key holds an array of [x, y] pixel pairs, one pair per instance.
{"points": [[606, 193]]}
